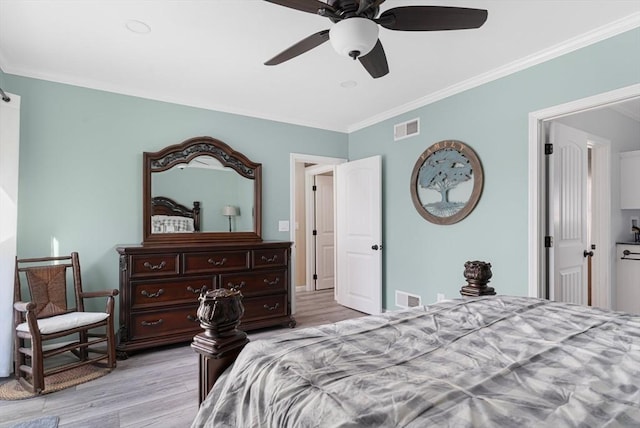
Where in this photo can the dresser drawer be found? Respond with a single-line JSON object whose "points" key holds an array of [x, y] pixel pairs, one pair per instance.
{"points": [[256, 282], [269, 257], [151, 293], [216, 261], [154, 265], [164, 322], [258, 308], [160, 285]]}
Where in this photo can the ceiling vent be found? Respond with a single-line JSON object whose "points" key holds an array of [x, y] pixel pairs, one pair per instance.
{"points": [[406, 129], [407, 300]]}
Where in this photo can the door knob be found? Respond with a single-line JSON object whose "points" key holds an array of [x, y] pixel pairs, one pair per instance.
{"points": [[376, 247], [587, 253]]}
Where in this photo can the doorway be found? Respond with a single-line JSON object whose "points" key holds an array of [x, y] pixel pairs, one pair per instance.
{"points": [[577, 175], [358, 230], [320, 227], [301, 210], [539, 265]]}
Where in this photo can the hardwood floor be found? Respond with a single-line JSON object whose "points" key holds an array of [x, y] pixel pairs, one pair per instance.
{"points": [[158, 388]]}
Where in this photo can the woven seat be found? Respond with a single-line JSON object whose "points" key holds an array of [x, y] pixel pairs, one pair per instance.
{"points": [[42, 322]]}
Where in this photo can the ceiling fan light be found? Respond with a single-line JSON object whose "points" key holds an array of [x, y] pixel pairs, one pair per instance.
{"points": [[354, 37]]}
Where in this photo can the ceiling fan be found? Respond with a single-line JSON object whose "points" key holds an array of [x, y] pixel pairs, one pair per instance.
{"points": [[355, 29]]}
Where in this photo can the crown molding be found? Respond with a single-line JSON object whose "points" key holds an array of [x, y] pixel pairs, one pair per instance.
{"points": [[596, 35]]}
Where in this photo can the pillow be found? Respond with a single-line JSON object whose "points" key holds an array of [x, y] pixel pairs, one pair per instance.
{"points": [[171, 224]]}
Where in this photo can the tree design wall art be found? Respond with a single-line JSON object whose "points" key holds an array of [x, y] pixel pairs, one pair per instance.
{"points": [[446, 182]]}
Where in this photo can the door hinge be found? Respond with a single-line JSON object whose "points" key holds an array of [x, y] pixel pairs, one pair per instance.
{"points": [[315, 232], [548, 149], [314, 188], [548, 241], [315, 276]]}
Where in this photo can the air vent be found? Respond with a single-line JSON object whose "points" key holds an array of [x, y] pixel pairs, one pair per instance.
{"points": [[406, 129], [407, 300]]}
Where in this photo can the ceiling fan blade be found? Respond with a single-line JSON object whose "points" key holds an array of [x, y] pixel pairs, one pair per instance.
{"points": [[375, 62], [432, 18], [311, 6], [299, 48]]}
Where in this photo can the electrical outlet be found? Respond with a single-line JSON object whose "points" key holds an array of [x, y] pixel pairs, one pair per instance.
{"points": [[440, 297]]}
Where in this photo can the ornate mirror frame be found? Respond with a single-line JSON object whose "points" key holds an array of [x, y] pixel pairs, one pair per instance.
{"points": [[441, 168], [183, 153]]}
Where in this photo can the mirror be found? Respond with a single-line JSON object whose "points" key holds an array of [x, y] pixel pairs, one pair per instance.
{"points": [[200, 191]]}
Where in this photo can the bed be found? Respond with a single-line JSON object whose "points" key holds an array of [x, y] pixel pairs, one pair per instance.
{"points": [[481, 361], [168, 216]]}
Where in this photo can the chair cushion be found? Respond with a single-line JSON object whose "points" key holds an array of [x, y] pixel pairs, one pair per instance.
{"points": [[65, 322]]}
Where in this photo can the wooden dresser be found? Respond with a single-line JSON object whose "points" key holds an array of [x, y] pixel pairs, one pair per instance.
{"points": [[160, 285]]}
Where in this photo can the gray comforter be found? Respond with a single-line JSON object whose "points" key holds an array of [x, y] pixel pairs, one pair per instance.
{"points": [[487, 362]]}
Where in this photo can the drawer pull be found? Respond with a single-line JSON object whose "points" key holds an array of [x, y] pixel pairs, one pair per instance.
{"points": [[197, 290], [215, 263], [274, 282], [233, 286], [151, 323], [155, 267], [272, 308], [270, 260], [192, 318], [159, 293]]}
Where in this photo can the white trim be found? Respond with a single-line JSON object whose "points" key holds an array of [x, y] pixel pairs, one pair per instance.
{"points": [[9, 164], [308, 211], [293, 159], [164, 97], [309, 173], [601, 219], [596, 35], [536, 163]]}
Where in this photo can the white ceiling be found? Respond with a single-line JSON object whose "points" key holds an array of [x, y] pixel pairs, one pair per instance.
{"points": [[210, 53]]}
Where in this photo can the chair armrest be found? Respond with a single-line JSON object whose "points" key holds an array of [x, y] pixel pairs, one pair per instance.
{"points": [[24, 306], [109, 294], [102, 293]]}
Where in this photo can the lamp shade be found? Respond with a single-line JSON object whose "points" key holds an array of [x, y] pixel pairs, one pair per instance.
{"points": [[230, 210], [354, 37]]}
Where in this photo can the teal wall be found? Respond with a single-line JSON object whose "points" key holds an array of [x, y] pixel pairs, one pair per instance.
{"points": [[427, 259], [81, 151], [81, 167]]}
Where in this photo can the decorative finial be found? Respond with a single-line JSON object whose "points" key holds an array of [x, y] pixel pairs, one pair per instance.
{"points": [[478, 275]]}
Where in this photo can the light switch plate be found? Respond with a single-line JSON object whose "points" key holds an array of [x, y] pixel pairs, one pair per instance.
{"points": [[283, 226]]}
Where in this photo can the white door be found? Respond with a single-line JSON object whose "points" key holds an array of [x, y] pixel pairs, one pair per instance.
{"points": [[9, 155], [568, 208], [359, 234], [324, 227]]}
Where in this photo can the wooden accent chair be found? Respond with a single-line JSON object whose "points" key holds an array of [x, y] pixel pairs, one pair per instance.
{"points": [[48, 317]]}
